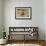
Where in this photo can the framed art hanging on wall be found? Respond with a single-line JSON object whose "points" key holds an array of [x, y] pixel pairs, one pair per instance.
{"points": [[23, 13]]}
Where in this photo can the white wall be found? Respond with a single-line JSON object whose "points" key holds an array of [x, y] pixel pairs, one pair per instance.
{"points": [[37, 15], [0, 12], [45, 19], [0, 18]]}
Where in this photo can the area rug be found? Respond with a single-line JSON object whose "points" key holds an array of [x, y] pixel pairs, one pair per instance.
{"points": [[23, 45]]}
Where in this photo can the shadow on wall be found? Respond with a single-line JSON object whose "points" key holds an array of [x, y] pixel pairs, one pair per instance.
{"points": [[1, 34]]}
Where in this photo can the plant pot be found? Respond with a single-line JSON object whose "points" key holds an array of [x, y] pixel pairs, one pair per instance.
{"points": [[3, 41]]}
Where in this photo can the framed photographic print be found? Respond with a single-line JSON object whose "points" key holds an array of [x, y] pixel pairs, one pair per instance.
{"points": [[23, 13]]}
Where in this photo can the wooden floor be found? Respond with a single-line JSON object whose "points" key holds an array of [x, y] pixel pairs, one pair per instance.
{"points": [[39, 42]]}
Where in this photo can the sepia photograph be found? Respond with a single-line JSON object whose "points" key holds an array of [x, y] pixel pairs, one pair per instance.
{"points": [[23, 12]]}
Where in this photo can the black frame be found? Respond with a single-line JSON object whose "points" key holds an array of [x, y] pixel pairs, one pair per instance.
{"points": [[24, 18]]}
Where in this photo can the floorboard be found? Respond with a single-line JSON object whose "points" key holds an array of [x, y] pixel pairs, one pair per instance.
{"points": [[25, 43]]}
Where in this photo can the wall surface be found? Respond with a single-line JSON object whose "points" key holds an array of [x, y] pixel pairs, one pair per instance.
{"points": [[37, 15], [45, 19], [0, 18]]}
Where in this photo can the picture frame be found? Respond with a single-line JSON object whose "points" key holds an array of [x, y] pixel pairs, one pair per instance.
{"points": [[23, 13]]}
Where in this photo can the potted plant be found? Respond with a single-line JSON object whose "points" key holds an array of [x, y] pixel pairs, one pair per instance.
{"points": [[3, 37]]}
